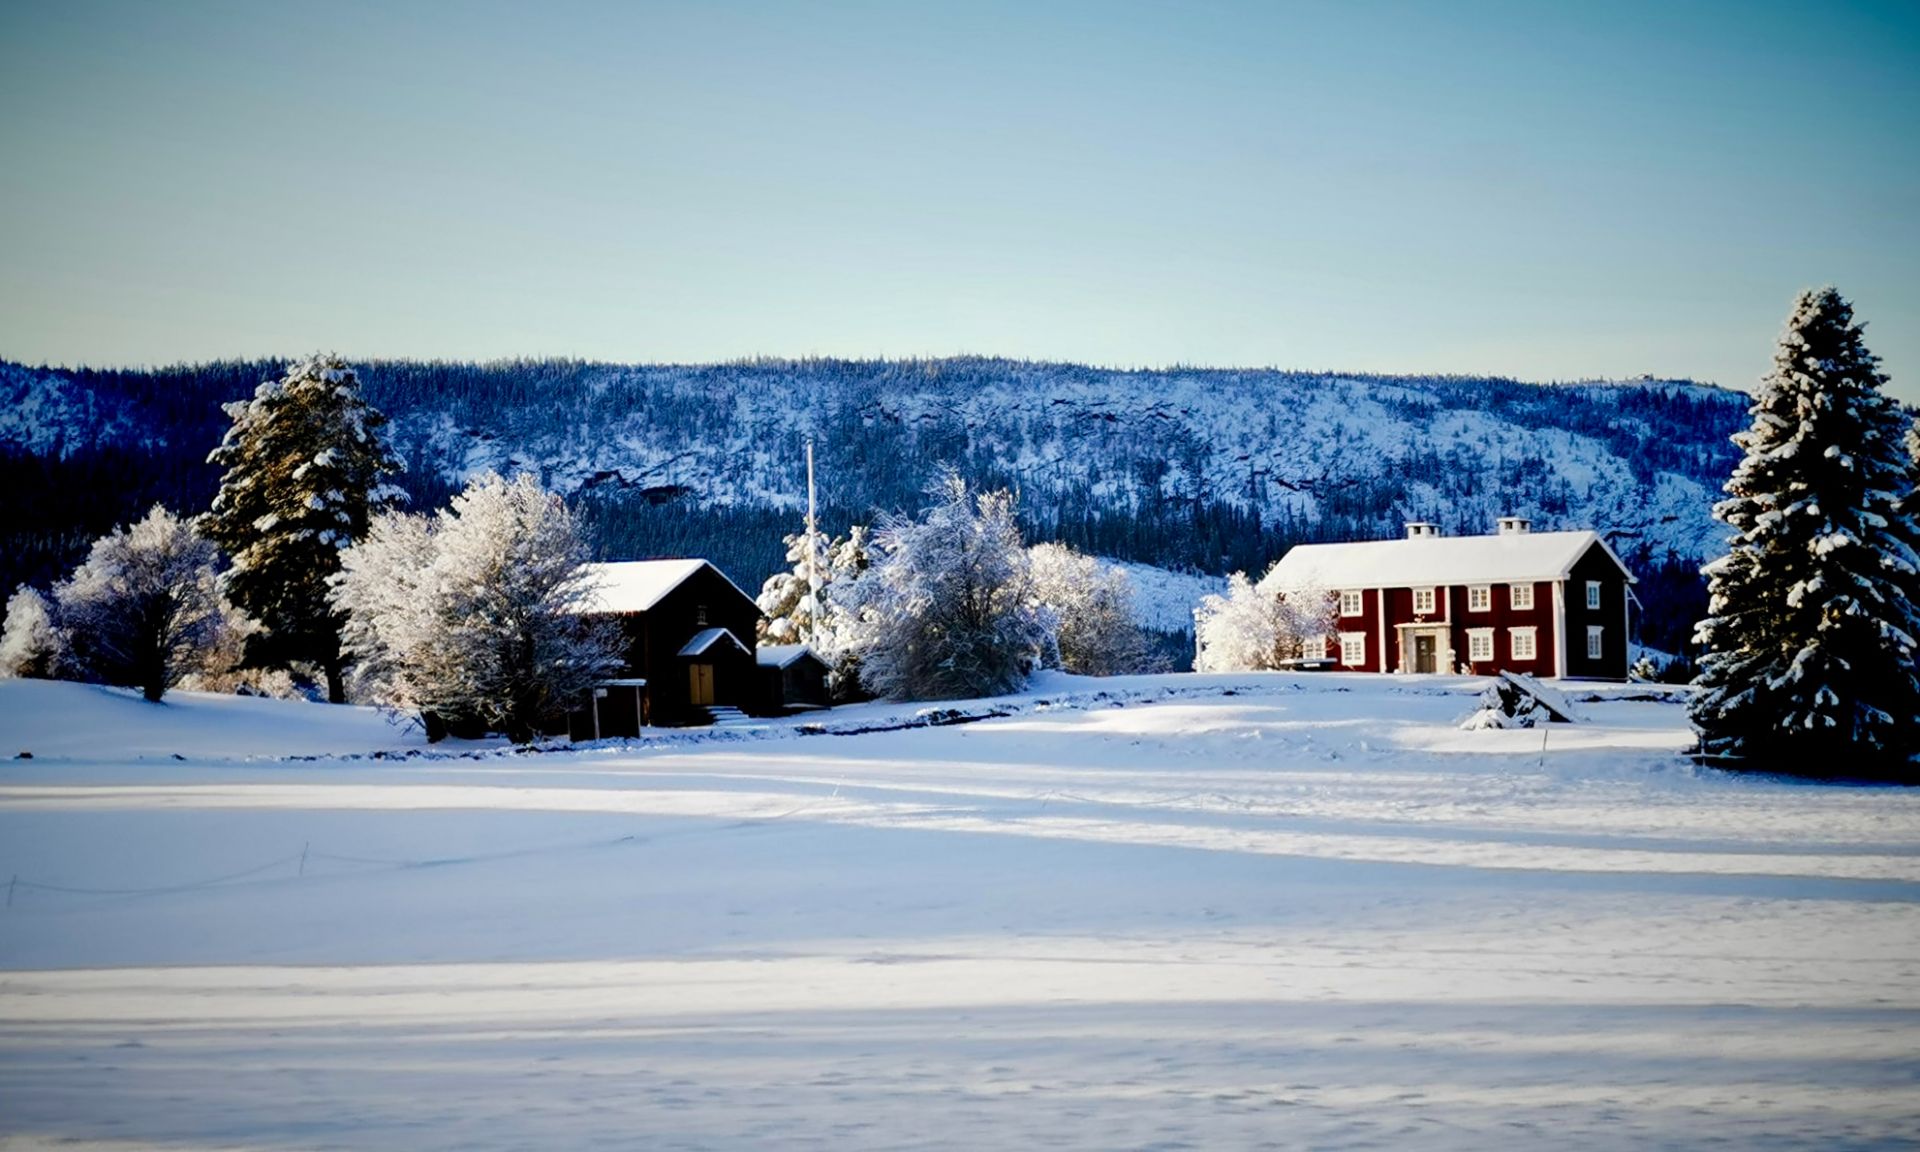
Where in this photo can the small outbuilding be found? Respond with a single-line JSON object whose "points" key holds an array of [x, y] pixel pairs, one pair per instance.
{"points": [[792, 679]]}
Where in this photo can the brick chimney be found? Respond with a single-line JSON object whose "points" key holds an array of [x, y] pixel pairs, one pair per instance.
{"points": [[1515, 525], [1422, 529]]}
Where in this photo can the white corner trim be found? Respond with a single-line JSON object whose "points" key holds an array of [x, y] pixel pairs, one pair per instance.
{"points": [[1560, 628]]}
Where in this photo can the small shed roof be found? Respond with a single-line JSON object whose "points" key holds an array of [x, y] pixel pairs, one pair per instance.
{"points": [[783, 655], [1513, 556], [637, 585], [706, 638]]}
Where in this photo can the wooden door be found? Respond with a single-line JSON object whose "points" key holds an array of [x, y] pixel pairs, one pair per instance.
{"points": [[700, 684], [1424, 650]]}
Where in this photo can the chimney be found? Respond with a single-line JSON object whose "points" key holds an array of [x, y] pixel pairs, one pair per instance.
{"points": [[1422, 529], [1515, 525]]}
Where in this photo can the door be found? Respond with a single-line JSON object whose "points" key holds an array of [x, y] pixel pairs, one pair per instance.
{"points": [[700, 684], [1424, 648]]}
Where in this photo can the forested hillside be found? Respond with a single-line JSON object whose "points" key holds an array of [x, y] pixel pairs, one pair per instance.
{"points": [[1201, 469]]}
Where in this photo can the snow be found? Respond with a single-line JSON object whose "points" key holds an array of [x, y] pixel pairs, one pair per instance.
{"points": [[779, 655], [1441, 560], [61, 721], [637, 585], [707, 638], [1201, 911], [1164, 600]]}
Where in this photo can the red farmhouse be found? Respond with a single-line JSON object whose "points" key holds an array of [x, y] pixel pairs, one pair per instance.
{"points": [[1546, 603]]}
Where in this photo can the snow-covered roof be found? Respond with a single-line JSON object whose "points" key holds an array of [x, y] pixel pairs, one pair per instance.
{"points": [[637, 585], [1436, 560], [707, 638], [781, 655]]}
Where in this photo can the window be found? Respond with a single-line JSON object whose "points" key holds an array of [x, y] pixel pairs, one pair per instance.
{"points": [[1521, 640], [1593, 593], [1480, 598], [1422, 601], [700, 615], [1479, 644], [1520, 597], [1353, 649], [1594, 648], [1351, 603]]}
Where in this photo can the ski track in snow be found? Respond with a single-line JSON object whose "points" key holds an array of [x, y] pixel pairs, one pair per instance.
{"points": [[1255, 911]]}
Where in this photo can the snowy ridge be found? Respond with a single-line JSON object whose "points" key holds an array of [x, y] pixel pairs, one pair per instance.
{"points": [[1164, 600], [1288, 446], [1311, 456]]}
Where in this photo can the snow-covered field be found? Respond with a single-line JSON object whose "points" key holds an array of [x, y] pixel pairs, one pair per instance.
{"points": [[1175, 912]]}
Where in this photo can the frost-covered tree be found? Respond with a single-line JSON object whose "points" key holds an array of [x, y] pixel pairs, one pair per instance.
{"points": [[30, 644], [305, 470], [837, 639], [789, 599], [472, 617], [1093, 605], [146, 608], [1255, 627], [1809, 645], [948, 609]]}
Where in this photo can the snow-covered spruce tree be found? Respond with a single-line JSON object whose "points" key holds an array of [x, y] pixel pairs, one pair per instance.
{"points": [[145, 608], [788, 599], [472, 617], [30, 644], [1256, 627], [1809, 645], [1093, 604], [839, 638], [305, 470], [947, 609]]}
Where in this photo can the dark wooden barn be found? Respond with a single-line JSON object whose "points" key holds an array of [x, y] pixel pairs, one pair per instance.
{"points": [[689, 637]]}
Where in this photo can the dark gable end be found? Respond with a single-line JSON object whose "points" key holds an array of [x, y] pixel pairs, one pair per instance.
{"points": [[703, 600], [1597, 566]]}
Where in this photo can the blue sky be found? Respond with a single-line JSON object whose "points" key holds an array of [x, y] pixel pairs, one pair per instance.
{"points": [[1547, 191]]}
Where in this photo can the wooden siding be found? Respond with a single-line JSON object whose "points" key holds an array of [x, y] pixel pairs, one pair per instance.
{"points": [[1611, 616]]}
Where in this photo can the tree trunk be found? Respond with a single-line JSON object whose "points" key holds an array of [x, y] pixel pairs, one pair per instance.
{"points": [[336, 680]]}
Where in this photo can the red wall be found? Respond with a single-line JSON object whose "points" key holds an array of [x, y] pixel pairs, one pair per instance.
{"points": [[1450, 606], [1501, 618], [1368, 622]]}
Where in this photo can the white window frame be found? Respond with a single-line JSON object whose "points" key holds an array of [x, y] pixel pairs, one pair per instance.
{"points": [[1596, 641], [1353, 602], [1479, 597], [1520, 597], [1353, 649], [1431, 601], [1480, 645], [1524, 642], [1593, 594]]}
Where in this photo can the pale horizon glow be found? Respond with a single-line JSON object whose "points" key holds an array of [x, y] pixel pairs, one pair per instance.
{"points": [[1477, 189]]}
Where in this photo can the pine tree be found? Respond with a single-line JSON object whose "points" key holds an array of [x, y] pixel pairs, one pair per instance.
{"points": [[1809, 646], [305, 470], [788, 599], [837, 639]]}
